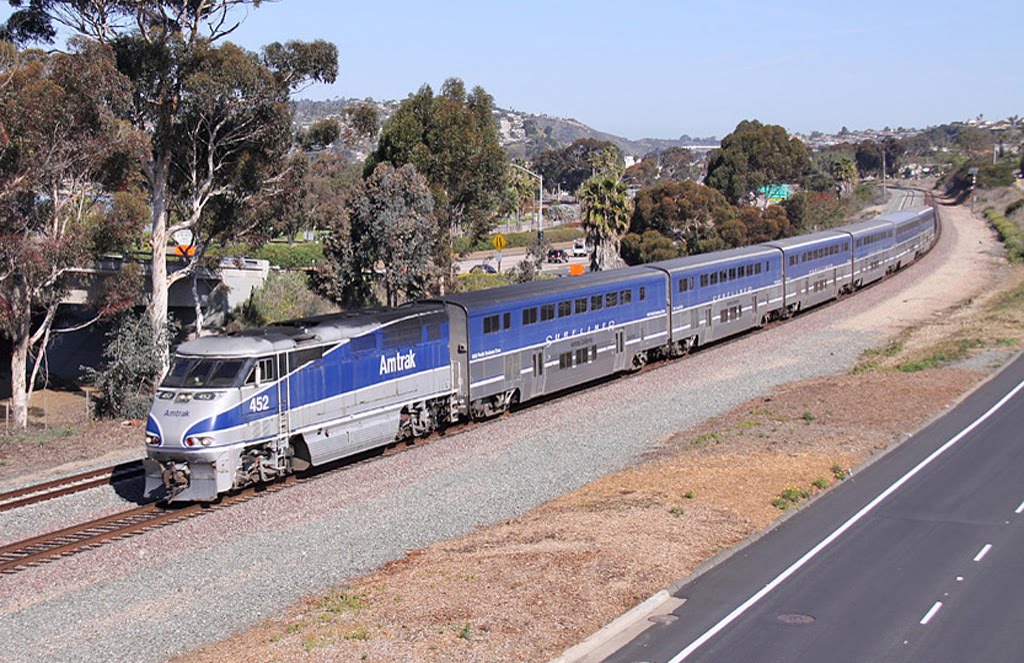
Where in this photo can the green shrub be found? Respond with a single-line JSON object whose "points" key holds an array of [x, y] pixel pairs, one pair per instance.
{"points": [[132, 369], [284, 296], [294, 256], [1009, 233], [1014, 206]]}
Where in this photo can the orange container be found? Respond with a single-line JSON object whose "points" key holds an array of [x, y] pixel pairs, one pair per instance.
{"points": [[576, 270]]}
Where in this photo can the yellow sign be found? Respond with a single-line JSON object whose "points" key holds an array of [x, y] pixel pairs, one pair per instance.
{"points": [[499, 241]]}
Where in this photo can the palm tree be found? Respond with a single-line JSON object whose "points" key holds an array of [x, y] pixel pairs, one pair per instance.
{"points": [[605, 209]]}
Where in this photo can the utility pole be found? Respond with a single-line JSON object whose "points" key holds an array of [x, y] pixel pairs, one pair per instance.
{"points": [[540, 196], [883, 171]]}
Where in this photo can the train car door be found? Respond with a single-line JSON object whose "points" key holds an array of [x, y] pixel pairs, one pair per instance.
{"points": [[458, 349], [283, 418]]}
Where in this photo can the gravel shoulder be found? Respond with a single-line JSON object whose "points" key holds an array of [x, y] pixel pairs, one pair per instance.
{"points": [[518, 538]]}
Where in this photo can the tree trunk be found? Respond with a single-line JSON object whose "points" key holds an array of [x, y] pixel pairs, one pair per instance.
{"points": [[198, 304], [158, 264], [19, 370]]}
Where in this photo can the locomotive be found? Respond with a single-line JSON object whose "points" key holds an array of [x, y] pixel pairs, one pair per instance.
{"points": [[254, 406]]}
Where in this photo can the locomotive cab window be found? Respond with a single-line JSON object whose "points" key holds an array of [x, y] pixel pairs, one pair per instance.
{"points": [[191, 372], [263, 370]]}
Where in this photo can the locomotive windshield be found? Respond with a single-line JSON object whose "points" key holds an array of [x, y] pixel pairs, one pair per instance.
{"points": [[192, 372]]}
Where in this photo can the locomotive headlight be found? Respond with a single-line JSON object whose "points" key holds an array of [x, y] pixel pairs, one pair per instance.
{"points": [[200, 440], [152, 439]]}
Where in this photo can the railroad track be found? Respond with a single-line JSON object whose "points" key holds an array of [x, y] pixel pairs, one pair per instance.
{"points": [[78, 538], [68, 541], [68, 485]]}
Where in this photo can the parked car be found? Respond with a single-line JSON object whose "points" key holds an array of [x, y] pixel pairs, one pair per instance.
{"points": [[486, 269], [558, 255], [579, 248]]}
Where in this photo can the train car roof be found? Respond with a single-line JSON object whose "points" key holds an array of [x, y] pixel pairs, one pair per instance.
{"points": [[905, 215], [713, 258], [787, 243], [523, 291], [862, 227], [317, 330]]}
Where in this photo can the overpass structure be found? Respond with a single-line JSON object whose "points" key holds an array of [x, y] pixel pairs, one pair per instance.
{"points": [[218, 290]]}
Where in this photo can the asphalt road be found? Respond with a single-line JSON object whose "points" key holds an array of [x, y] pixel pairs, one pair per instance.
{"points": [[916, 558]]}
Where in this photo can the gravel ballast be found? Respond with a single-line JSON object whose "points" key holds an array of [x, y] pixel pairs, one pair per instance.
{"points": [[174, 589]]}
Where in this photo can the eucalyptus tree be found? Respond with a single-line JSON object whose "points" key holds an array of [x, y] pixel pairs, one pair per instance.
{"points": [[216, 115], [66, 166], [452, 140], [605, 209], [756, 155], [392, 217]]}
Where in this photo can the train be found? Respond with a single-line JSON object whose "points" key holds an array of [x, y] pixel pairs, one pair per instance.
{"points": [[257, 405]]}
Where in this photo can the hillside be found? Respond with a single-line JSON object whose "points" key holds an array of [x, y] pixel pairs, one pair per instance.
{"points": [[522, 134]]}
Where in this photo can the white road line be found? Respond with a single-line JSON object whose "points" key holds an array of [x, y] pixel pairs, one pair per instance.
{"points": [[1020, 508], [813, 552], [983, 552], [931, 613]]}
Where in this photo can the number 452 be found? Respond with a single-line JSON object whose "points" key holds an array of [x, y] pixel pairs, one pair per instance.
{"points": [[259, 404]]}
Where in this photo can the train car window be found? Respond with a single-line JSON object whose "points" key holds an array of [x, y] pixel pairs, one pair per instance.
{"points": [[611, 299], [757, 268], [749, 270], [703, 280], [725, 315], [506, 321], [529, 316], [683, 285], [721, 276], [564, 309], [565, 360], [714, 278], [593, 353], [643, 293], [547, 312], [846, 246], [596, 302], [732, 273], [582, 356], [491, 324], [267, 369], [626, 296], [581, 305]]}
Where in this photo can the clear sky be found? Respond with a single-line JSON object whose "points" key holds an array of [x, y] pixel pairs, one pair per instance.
{"points": [[652, 68]]}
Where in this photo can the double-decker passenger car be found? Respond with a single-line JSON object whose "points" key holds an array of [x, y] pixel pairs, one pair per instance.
{"points": [[719, 294], [518, 342]]}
